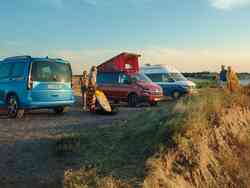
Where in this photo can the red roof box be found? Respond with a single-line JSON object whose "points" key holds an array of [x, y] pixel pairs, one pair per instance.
{"points": [[124, 62]]}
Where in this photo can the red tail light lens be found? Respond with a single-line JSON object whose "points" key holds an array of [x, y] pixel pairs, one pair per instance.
{"points": [[30, 83]]}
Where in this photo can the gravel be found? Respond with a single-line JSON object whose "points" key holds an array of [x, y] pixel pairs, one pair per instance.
{"points": [[27, 157]]}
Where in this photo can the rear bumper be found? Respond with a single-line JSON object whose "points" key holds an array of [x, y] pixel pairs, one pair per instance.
{"points": [[36, 105]]}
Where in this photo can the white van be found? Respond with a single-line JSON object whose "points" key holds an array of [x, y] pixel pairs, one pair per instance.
{"points": [[173, 83]]}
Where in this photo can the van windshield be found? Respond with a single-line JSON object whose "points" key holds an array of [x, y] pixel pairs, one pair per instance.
{"points": [[177, 77], [51, 72], [140, 77]]}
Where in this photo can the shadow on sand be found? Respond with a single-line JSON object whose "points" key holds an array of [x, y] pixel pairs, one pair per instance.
{"points": [[34, 163]]}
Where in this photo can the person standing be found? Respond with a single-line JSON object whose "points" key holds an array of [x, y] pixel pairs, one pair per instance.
{"points": [[84, 88], [233, 83], [223, 77], [91, 98]]}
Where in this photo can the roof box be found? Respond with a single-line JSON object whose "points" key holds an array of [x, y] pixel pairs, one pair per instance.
{"points": [[124, 62]]}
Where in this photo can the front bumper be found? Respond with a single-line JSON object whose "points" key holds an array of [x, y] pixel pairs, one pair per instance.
{"points": [[192, 91], [151, 98]]}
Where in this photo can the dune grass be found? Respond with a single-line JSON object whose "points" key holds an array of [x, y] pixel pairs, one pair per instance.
{"points": [[204, 83], [118, 156]]}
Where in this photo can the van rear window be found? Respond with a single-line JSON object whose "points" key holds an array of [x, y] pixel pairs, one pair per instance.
{"points": [[51, 72]]}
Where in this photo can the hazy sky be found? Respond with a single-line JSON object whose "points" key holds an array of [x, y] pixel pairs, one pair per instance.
{"points": [[192, 35]]}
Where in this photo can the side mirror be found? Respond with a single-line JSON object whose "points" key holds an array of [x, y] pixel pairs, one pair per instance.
{"points": [[171, 80]]}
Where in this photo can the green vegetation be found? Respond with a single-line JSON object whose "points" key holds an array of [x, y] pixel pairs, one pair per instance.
{"points": [[134, 153], [122, 150], [204, 83]]}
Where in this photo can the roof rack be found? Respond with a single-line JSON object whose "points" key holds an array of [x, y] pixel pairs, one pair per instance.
{"points": [[18, 57], [57, 59]]}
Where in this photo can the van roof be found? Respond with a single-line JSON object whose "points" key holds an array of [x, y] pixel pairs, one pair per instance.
{"points": [[127, 54], [26, 57], [124, 62], [161, 68]]}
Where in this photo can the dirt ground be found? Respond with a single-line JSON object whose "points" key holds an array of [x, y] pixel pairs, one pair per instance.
{"points": [[27, 156]]}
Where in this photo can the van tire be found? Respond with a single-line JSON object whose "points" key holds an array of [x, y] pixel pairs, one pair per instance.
{"points": [[176, 95], [20, 113], [132, 100], [59, 110], [153, 103], [13, 107]]}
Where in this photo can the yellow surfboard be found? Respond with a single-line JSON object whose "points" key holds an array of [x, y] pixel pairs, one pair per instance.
{"points": [[103, 101]]}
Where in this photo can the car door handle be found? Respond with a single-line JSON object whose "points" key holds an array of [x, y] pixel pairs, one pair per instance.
{"points": [[55, 95]]}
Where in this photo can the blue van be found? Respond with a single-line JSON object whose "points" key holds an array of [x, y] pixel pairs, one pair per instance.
{"points": [[35, 83], [173, 83]]}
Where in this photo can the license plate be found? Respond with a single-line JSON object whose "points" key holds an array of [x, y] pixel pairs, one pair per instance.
{"points": [[54, 87]]}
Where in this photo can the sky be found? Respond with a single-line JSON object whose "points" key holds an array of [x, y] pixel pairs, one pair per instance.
{"points": [[192, 35]]}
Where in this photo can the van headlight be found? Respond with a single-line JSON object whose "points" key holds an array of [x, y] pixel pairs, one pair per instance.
{"points": [[147, 91], [187, 87]]}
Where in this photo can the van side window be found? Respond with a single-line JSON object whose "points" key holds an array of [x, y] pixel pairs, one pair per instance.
{"points": [[123, 79], [18, 70], [5, 69], [107, 78], [155, 77], [160, 77], [167, 78]]}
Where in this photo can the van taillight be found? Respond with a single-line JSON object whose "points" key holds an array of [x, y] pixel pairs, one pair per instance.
{"points": [[30, 83]]}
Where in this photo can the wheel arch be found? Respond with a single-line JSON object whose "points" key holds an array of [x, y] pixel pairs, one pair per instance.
{"points": [[177, 91], [132, 93]]}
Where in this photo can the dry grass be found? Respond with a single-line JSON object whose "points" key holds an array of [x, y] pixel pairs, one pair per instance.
{"points": [[213, 149], [202, 141], [88, 178]]}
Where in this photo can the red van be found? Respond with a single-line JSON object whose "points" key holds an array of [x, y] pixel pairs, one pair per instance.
{"points": [[120, 80]]}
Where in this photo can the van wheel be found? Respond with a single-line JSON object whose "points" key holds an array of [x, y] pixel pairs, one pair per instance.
{"points": [[116, 101], [59, 110], [176, 95], [132, 100], [153, 103], [13, 107]]}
